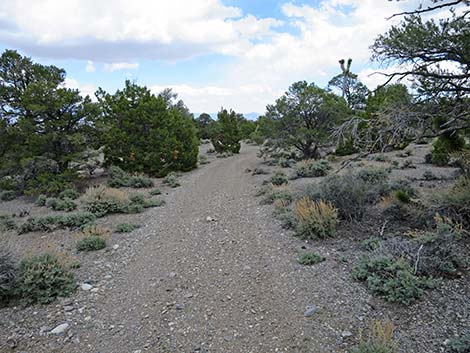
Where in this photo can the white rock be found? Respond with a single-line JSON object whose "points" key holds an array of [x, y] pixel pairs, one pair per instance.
{"points": [[86, 286], [115, 246], [60, 329]]}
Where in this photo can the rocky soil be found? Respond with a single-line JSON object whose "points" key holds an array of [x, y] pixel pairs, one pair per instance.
{"points": [[213, 271]]}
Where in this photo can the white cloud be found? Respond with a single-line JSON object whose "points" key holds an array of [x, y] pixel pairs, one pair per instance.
{"points": [[85, 89], [120, 66], [111, 30], [90, 67]]}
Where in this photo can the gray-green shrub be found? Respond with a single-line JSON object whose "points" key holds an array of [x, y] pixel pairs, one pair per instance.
{"points": [[91, 243], [42, 278], [120, 178], [7, 275], [312, 168], [126, 227], [50, 223]]}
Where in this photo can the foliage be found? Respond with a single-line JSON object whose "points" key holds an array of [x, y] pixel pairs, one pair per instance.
{"points": [[380, 339], [370, 244], [352, 90], [50, 223], [126, 227], [41, 119], [7, 275], [171, 180], [444, 146], [205, 126], [460, 344], [402, 196], [6, 223], [227, 135], [310, 258], [155, 192], [91, 243], [455, 202], [279, 178], [119, 178], [65, 204], [145, 133], [38, 181], [103, 200], [43, 278], [315, 219], [71, 194], [392, 279], [351, 193], [303, 118], [311, 168], [154, 203], [277, 193], [7, 195]]}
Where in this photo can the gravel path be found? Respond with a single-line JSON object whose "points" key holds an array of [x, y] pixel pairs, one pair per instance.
{"points": [[218, 284]]}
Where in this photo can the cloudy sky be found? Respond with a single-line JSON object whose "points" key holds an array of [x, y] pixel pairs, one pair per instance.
{"points": [[240, 54]]}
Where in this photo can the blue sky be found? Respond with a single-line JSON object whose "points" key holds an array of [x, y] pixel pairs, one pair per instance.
{"points": [[240, 54]]}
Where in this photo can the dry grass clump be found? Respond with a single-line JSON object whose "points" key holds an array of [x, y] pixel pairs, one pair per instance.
{"points": [[103, 200], [316, 219]]}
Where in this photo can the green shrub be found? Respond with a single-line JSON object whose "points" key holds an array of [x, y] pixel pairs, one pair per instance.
{"points": [[460, 344], [345, 148], [171, 180], [351, 193], [227, 134], [103, 200], [155, 192], [315, 219], [50, 183], [91, 243], [65, 204], [312, 168], [455, 202], [7, 195], [126, 227], [7, 275], [402, 196], [154, 203], [444, 146], [41, 200], [310, 258], [120, 178], [391, 278], [284, 163], [279, 178], [43, 278], [70, 194], [370, 244], [50, 223], [7, 223], [277, 193]]}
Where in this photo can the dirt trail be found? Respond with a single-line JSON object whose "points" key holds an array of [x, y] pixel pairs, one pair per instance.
{"points": [[226, 285]]}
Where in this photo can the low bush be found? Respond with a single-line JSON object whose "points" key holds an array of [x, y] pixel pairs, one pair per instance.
{"points": [[126, 227], [310, 258], [444, 146], [460, 344], [155, 192], [41, 200], [154, 203], [370, 244], [351, 193], [407, 164], [171, 180], [7, 275], [312, 168], [315, 219], [279, 178], [380, 339], [402, 196], [259, 171], [92, 230], [428, 175], [455, 202], [203, 160], [70, 194], [7, 223], [103, 200], [120, 178], [391, 278], [65, 204], [50, 223], [91, 243], [43, 278], [7, 195], [284, 162], [277, 193]]}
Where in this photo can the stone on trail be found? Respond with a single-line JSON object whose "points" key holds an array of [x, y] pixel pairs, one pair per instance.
{"points": [[60, 329]]}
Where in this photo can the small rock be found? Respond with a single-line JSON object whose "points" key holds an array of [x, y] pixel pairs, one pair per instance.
{"points": [[172, 274], [210, 219], [346, 334], [68, 308], [115, 246], [310, 310], [60, 329], [86, 286]]}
